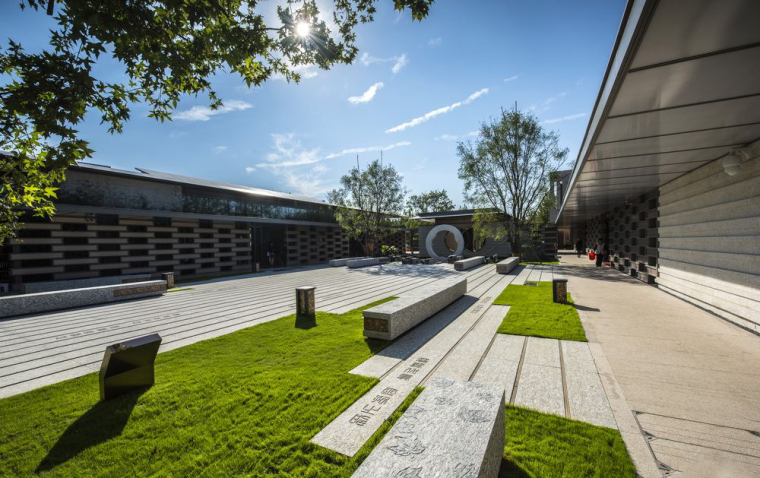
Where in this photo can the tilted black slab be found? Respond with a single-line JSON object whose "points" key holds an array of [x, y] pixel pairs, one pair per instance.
{"points": [[128, 365]]}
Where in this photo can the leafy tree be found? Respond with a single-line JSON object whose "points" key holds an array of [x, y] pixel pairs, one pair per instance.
{"points": [[430, 201], [167, 49], [507, 171], [369, 203]]}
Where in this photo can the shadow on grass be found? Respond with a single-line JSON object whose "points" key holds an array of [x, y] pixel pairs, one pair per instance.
{"points": [[306, 321], [510, 469], [104, 421]]}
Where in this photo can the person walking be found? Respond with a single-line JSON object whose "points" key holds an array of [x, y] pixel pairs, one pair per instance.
{"points": [[579, 247], [599, 251]]}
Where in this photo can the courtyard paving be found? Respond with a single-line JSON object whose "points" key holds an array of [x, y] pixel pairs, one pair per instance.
{"points": [[685, 380]]}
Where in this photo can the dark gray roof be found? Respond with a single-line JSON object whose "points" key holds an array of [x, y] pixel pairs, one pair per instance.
{"points": [[442, 214], [148, 174]]}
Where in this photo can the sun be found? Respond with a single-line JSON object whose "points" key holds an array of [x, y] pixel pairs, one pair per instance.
{"points": [[303, 29]]}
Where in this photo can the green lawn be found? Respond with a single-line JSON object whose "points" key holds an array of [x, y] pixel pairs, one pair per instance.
{"points": [[532, 312], [547, 263], [244, 404], [539, 445]]}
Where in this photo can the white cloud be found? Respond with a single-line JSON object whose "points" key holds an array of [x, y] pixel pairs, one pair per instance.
{"points": [[420, 165], [288, 152], [204, 113], [308, 183], [439, 111], [511, 78], [398, 61], [367, 96], [220, 149], [367, 149], [435, 41], [250, 169], [565, 118], [455, 137], [546, 104]]}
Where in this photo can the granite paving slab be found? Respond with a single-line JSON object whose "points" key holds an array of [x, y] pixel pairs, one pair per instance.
{"points": [[462, 360], [453, 429], [500, 364], [523, 274], [540, 388], [542, 351], [345, 435]]}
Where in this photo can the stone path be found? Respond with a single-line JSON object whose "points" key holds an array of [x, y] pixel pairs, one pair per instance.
{"points": [[684, 384], [461, 343], [40, 349]]}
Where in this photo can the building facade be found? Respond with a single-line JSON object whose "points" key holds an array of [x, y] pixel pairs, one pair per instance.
{"points": [[112, 222], [668, 175]]}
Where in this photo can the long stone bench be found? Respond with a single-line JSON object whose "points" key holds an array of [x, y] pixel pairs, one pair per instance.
{"points": [[35, 287], [468, 263], [344, 261], [64, 299], [391, 319], [367, 261], [506, 266], [452, 429]]}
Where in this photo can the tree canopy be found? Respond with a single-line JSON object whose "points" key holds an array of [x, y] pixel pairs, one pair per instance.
{"points": [[429, 201], [166, 49], [369, 203], [507, 170]]}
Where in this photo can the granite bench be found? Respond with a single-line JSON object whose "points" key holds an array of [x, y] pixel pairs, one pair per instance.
{"points": [[64, 299], [452, 429], [343, 262], [468, 263], [391, 319], [506, 266], [367, 261], [34, 287]]}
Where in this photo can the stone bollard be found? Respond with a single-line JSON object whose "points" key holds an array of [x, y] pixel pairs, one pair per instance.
{"points": [[256, 267], [128, 365], [169, 278], [559, 291], [305, 301]]}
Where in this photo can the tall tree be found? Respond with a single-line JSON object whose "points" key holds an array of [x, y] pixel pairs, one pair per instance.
{"points": [[167, 49], [369, 203], [430, 201], [506, 173]]}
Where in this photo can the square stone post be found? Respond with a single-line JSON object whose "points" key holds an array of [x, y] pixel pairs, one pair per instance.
{"points": [[559, 291], [305, 301], [169, 278]]}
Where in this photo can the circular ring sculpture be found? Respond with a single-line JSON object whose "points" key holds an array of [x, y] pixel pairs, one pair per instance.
{"points": [[434, 232]]}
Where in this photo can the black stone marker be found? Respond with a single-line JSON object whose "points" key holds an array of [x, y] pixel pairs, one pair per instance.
{"points": [[128, 365], [305, 306], [559, 291]]}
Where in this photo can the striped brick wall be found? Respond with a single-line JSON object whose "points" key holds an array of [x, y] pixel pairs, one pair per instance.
{"points": [[315, 244]]}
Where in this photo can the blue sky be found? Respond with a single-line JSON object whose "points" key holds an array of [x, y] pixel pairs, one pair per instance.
{"points": [[415, 90]]}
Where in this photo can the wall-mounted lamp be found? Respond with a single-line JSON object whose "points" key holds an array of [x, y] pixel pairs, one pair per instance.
{"points": [[732, 163]]}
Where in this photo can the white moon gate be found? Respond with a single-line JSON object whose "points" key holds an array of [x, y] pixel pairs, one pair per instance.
{"points": [[434, 232]]}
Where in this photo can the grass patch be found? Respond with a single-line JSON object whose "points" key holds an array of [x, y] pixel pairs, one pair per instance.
{"points": [[244, 404], [532, 312], [180, 289], [539, 445], [547, 263]]}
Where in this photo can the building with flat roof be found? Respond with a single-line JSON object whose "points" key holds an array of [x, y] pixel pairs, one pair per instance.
{"points": [[668, 174], [112, 222]]}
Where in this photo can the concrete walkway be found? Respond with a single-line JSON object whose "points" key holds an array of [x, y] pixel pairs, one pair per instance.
{"points": [[682, 378], [41, 349]]}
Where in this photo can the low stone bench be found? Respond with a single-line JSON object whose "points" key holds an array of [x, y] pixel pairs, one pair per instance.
{"points": [[468, 263], [367, 261], [506, 266], [64, 299], [391, 319], [452, 429], [343, 262]]}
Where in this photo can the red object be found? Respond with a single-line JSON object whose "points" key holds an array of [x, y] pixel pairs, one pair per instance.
{"points": [[591, 256]]}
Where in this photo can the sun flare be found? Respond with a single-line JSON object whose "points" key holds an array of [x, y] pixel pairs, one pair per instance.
{"points": [[303, 29]]}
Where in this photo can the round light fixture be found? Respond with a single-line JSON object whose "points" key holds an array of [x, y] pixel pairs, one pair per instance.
{"points": [[732, 164]]}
